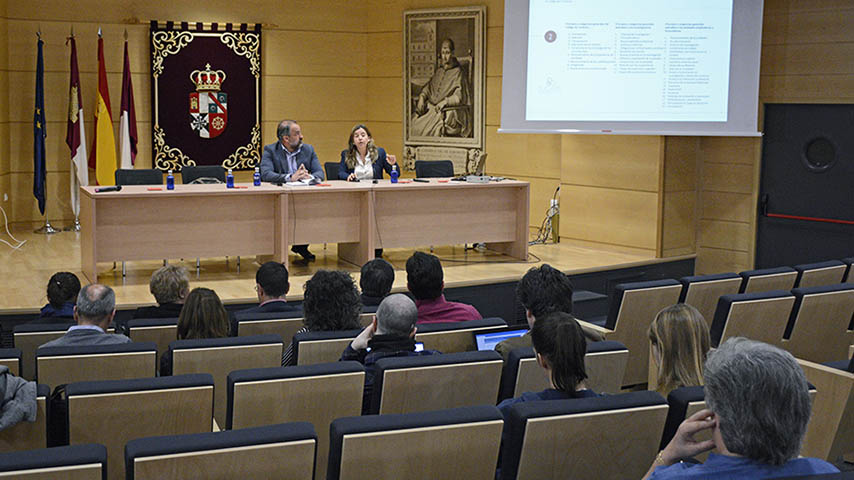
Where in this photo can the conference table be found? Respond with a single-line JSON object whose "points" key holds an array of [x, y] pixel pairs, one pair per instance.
{"points": [[143, 222]]}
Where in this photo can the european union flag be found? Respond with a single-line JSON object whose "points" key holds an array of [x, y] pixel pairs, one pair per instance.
{"points": [[39, 167]]}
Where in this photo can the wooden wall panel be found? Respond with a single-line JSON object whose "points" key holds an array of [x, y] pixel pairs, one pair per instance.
{"points": [[726, 235], [678, 223], [794, 21], [727, 206], [723, 177], [712, 260], [620, 162], [331, 98], [740, 151], [299, 53], [385, 99], [681, 155], [620, 217], [386, 53], [514, 155]]}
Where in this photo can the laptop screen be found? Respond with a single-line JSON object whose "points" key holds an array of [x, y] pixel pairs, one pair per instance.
{"points": [[488, 341]]}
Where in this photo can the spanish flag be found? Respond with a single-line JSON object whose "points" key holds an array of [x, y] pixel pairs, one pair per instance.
{"points": [[103, 154]]}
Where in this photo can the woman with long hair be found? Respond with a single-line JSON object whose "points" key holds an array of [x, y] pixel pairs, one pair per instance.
{"points": [[679, 338], [363, 160], [203, 316]]}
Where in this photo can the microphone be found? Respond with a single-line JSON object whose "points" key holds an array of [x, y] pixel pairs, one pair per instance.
{"points": [[116, 188]]}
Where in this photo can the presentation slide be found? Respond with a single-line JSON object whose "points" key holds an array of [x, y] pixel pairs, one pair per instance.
{"points": [[625, 60]]}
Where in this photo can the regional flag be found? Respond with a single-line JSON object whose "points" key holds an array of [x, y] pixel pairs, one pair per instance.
{"points": [[127, 122], [75, 134], [103, 155], [39, 134]]}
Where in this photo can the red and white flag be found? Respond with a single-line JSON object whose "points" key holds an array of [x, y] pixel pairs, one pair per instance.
{"points": [[127, 123], [75, 134]]}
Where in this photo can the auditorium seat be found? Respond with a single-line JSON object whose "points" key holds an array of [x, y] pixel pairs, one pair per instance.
{"points": [[451, 337], [830, 433], [61, 365], [779, 278], [321, 347], [28, 338], [220, 356], [434, 168], [703, 291], [78, 462], [160, 331], [455, 443], [434, 382], [614, 436], [114, 412], [190, 174], [605, 362], [331, 169], [819, 274], [317, 394], [28, 435], [759, 316], [139, 176], [284, 324], [848, 261], [11, 357], [818, 325], [632, 308], [274, 451]]}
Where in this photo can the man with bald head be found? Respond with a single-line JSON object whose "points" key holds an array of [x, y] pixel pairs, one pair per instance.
{"points": [[95, 309], [391, 334]]}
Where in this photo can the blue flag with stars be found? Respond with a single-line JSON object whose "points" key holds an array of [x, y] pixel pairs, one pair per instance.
{"points": [[39, 167]]}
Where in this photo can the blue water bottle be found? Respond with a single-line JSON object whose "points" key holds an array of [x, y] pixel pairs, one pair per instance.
{"points": [[229, 179], [394, 174], [170, 181], [256, 177]]}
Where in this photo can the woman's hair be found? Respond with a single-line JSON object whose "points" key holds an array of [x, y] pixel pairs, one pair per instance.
{"points": [[350, 158], [558, 337], [169, 283], [331, 302], [202, 316], [681, 335], [61, 288]]}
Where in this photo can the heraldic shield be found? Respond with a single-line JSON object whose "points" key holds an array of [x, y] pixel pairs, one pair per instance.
{"points": [[208, 104]]}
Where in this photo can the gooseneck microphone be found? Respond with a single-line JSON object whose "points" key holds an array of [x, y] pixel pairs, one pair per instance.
{"points": [[115, 188]]}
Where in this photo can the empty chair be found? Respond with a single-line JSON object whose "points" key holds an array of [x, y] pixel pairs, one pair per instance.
{"points": [[160, 331], [220, 356], [456, 443], [191, 174], [61, 365], [331, 169], [848, 261], [434, 382], [78, 462], [684, 402], [321, 347], [821, 273], [434, 168], [614, 436], [605, 363], [28, 435], [284, 324], [274, 451], [116, 411], [141, 176], [830, 433], [11, 357], [29, 337], [314, 393], [631, 310], [818, 325], [451, 337], [703, 291], [759, 316], [779, 278]]}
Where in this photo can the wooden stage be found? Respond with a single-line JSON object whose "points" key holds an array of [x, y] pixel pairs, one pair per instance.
{"points": [[25, 271]]}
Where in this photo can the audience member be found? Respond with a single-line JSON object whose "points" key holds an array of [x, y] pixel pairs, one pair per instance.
{"points": [[758, 410], [170, 285], [331, 302], [271, 284], [424, 279], [679, 338], [17, 399], [203, 316], [391, 334], [375, 281], [96, 306], [62, 291]]}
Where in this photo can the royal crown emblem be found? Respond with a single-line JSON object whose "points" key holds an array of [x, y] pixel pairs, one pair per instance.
{"points": [[208, 104]]}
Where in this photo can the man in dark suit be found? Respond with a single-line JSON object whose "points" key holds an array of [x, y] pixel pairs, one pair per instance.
{"points": [[96, 306], [290, 160], [271, 283]]}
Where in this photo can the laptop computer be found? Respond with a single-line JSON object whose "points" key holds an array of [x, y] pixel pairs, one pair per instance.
{"points": [[488, 340]]}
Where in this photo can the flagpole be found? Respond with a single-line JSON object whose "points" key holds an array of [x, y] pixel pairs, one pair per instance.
{"points": [[75, 183], [47, 229]]}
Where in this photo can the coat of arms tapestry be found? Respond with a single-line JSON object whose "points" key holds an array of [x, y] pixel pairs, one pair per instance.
{"points": [[206, 95]]}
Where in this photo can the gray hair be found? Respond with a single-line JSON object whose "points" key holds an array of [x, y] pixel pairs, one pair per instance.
{"points": [[284, 128], [760, 398], [396, 315], [95, 301]]}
